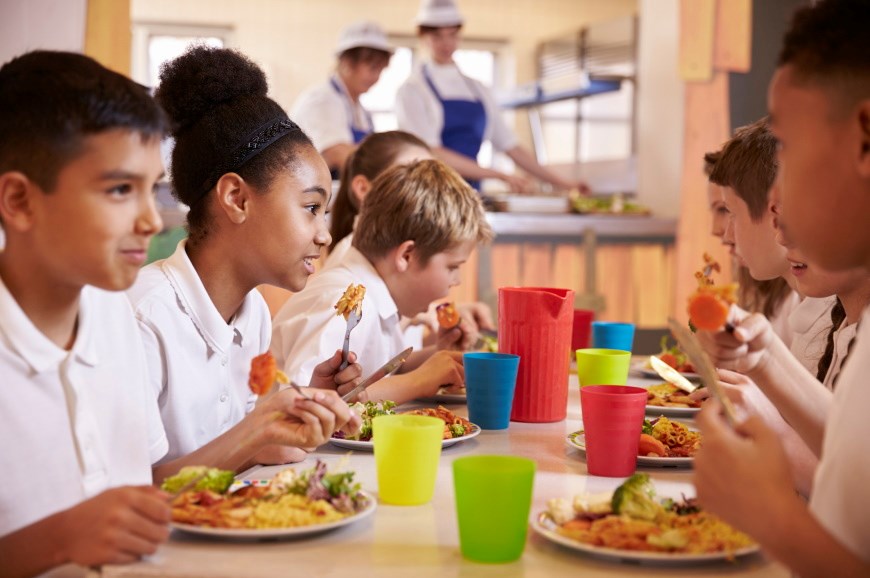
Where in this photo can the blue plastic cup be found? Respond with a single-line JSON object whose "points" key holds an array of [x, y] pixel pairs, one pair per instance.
{"points": [[611, 335], [490, 379]]}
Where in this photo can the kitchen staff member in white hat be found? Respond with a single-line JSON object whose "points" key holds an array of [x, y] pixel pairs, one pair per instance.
{"points": [[331, 113], [454, 114]]}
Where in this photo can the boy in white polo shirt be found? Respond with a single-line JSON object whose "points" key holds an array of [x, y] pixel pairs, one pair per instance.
{"points": [[79, 157], [418, 226]]}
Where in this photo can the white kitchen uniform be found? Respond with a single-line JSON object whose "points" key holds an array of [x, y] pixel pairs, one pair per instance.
{"points": [[841, 494], [307, 330], [73, 423], [420, 112], [329, 117], [198, 362]]}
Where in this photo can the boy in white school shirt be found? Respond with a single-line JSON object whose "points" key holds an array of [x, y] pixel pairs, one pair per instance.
{"points": [[79, 157], [418, 226], [819, 101]]}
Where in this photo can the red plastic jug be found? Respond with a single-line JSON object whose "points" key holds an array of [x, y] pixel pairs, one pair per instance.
{"points": [[535, 323]]}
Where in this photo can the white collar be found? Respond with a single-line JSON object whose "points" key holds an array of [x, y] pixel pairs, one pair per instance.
{"points": [[40, 353], [376, 289], [196, 303]]}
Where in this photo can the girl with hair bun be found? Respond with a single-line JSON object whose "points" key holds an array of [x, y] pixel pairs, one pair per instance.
{"points": [[257, 192]]}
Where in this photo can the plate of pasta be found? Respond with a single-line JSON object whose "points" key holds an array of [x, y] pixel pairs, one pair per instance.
{"points": [[667, 399], [456, 428], [292, 504], [664, 443], [636, 526]]}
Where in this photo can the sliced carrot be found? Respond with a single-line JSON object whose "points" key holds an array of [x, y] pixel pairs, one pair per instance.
{"points": [[577, 525], [707, 311], [264, 371], [649, 445], [448, 316]]}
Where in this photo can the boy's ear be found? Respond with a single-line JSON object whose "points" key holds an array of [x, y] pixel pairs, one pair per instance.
{"points": [[232, 194], [16, 200], [360, 187], [403, 255], [864, 119]]}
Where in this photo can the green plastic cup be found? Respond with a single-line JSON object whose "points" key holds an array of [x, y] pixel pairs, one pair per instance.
{"points": [[602, 366], [493, 499], [407, 450]]}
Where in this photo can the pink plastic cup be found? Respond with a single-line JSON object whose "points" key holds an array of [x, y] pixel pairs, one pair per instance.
{"points": [[612, 420], [582, 329]]}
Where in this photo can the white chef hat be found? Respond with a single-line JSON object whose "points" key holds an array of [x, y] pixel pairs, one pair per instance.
{"points": [[363, 35], [439, 14]]}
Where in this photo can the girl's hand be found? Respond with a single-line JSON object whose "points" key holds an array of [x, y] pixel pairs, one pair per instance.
{"points": [[746, 348], [115, 527], [302, 422], [459, 338], [326, 375], [741, 475], [478, 315]]}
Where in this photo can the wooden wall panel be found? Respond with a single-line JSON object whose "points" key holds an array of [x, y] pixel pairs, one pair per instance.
{"points": [[707, 127], [108, 34], [614, 278], [697, 18], [732, 44]]}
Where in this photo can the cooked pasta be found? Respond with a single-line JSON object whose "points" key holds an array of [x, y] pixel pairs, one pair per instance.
{"points": [[454, 426], [351, 300]]}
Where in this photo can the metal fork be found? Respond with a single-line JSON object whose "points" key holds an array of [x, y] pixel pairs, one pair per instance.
{"points": [[353, 320]]}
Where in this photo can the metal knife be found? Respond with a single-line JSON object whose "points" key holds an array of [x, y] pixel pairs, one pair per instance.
{"points": [[671, 375], [388, 368]]}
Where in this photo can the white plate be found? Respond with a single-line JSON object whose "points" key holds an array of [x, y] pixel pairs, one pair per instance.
{"points": [[577, 441], [369, 445], [446, 397], [686, 412], [272, 533], [545, 527]]}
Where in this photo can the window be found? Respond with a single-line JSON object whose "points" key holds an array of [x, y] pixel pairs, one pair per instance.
{"points": [[480, 60], [154, 44]]}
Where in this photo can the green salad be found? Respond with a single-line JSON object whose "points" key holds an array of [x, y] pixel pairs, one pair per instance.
{"points": [[368, 411], [215, 480]]}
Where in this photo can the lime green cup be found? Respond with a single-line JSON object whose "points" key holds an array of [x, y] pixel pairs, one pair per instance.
{"points": [[493, 499], [602, 366], [407, 450]]}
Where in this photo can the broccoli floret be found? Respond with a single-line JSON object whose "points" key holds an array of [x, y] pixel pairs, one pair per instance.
{"points": [[647, 427], [634, 498], [457, 430]]}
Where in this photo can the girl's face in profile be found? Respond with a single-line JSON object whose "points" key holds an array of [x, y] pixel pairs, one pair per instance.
{"points": [[289, 221]]}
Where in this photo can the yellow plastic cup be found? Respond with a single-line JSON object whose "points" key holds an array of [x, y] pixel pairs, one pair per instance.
{"points": [[602, 366], [407, 450]]}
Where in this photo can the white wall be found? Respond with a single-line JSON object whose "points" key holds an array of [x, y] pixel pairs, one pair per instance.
{"points": [[660, 108], [51, 24]]}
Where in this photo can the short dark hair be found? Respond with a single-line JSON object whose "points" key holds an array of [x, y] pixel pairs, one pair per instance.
{"points": [[51, 101], [748, 165], [829, 44], [216, 100], [710, 160], [366, 55], [421, 30]]}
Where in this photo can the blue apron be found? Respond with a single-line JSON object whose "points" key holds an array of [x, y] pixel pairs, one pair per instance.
{"points": [[358, 133], [464, 124]]}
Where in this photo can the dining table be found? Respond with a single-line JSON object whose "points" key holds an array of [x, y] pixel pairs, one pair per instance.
{"points": [[423, 541]]}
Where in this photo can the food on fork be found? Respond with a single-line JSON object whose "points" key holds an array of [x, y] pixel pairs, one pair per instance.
{"points": [[448, 316], [351, 300], [264, 373], [709, 304]]}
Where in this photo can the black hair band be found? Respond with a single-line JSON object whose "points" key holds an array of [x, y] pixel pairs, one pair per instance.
{"points": [[255, 143]]}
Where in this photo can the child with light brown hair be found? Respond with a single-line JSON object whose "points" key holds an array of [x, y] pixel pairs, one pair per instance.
{"points": [[417, 227]]}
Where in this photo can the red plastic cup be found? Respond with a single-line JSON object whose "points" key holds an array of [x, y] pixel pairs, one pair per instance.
{"points": [[582, 329], [612, 421], [535, 323]]}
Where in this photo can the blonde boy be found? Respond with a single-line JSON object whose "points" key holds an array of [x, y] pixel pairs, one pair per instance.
{"points": [[418, 226]]}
